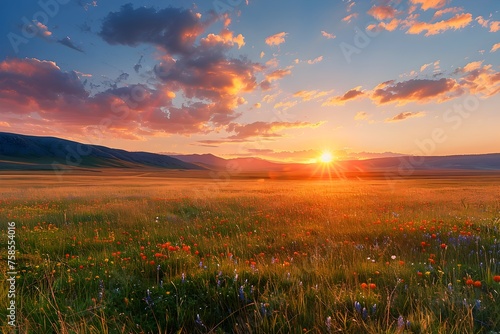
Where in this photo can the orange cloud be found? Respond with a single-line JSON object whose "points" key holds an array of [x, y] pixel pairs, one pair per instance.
{"points": [[459, 21], [307, 95], [327, 35], [442, 12], [276, 39], [382, 12], [342, 99], [389, 26], [264, 129], [495, 47], [405, 115], [349, 17], [495, 26], [315, 60], [429, 4]]}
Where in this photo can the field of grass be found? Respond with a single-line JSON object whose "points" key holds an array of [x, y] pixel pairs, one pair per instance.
{"points": [[149, 254]]}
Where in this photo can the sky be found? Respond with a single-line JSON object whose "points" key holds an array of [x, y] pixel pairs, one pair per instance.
{"points": [[282, 80]]}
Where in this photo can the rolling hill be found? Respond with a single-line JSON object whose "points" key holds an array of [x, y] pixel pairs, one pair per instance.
{"points": [[21, 152]]}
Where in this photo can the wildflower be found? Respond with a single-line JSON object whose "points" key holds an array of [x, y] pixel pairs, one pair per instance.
{"points": [[357, 306], [328, 324], [372, 286], [364, 286], [469, 281], [393, 257], [477, 284], [364, 313], [374, 309], [444, 246], [199, 322], [148, 299], [496, 278], [241, 294], [401, 323]]}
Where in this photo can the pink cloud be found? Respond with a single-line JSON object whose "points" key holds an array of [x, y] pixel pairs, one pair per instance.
{"points": [[276, 39], [327, 35], [382, 12], [350, 17]]}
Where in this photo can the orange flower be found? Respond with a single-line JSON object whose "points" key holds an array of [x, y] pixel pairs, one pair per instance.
{"points": [[372, 286], [364, 286], [477, 284], [443, 246], [496, 278], [469, 281]]}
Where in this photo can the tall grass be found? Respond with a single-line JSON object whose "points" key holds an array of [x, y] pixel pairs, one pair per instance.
{"points": [[149, 255]]}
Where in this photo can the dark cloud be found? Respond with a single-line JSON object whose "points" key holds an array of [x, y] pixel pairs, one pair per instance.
{"points": [[66, 41], [415, 90], [173, 29]]}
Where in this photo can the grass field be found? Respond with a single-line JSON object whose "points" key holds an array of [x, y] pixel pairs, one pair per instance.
{"points": [[124, 253]]}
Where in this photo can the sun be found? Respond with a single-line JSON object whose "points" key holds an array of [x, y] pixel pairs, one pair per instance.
{"points": [[326, 157]]}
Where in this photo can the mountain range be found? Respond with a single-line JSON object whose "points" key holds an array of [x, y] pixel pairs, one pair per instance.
{"points": [[22, 152]]}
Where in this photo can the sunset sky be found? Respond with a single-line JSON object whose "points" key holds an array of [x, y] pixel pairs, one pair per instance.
{"points": [[282, 80]]}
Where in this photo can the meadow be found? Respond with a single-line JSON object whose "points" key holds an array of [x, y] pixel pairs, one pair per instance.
{"points": [[151, 253]]}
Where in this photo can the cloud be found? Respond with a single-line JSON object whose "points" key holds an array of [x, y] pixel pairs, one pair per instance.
{"points": [[389, 26], [405, 115], [173, 29], [307, 95], [264, 129], [435, 64], [276, 39], [458, 21], [315, 60], [327, 35], [67, 42], [342, 99], [285, 105], [225, 37], [429, 4], [472, 66], [278, 74], [361, 115], [495, 26], [382, 12], [442, 12], [194, 67], [415, 90], [495, 47], [350, 17]]}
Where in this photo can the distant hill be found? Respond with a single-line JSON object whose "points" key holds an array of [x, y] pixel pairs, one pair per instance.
{"points": [[478, 162], [211, 161], [21, 152]]}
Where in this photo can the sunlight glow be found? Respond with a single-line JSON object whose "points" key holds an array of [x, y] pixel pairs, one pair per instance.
{"points": [[326, 157]]}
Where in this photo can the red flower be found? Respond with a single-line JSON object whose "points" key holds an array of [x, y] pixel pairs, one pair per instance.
{"points": [[496, 278], [372, 286], [469, 281], [477, 284], [364, 286], [443, 246]]}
